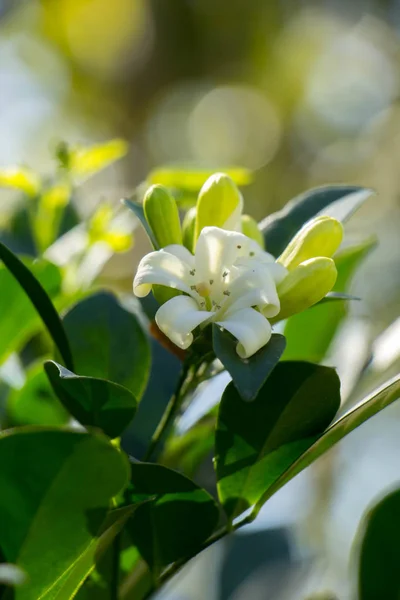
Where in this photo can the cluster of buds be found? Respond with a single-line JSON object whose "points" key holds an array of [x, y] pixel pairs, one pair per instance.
{"points": [[214, 267]]}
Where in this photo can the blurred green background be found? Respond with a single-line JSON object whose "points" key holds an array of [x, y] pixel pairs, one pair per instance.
{"points": [[302, 92]]}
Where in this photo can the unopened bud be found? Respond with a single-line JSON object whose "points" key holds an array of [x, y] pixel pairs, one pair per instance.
{"points": [[305, 285], [251, 229], [162, 215], [220, 204], [188, 226], [320, 237]]}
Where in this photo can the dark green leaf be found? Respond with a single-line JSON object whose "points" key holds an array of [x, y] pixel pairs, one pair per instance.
{"points": [[108, 342], [257, 441], [91, 401], [35, 403], [310, 333], [137, 209], [56, 490], [178, 519], [248, 374], [366, 409], [40, 300], [280, 227], [378, 575]]}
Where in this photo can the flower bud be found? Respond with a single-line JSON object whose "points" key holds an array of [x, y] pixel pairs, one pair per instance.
{"points": [[220, 204], [305, 285], [188, 226], [250, 228], [320, 237], [162, 215]]}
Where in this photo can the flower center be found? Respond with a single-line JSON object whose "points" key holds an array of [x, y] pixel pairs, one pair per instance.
{"points": [[203, 289]]}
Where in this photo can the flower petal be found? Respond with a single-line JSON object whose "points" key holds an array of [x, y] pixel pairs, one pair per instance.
{"points": [[162, 268], [250, 328], [178, 317], [216, 251], [182, 253], [255, 287]]}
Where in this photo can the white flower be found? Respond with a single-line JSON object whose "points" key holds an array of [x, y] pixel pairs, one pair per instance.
{"points": [[229, 281]]}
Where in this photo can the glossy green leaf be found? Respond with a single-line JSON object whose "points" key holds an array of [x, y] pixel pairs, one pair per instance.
{"points": [[176, 521], [72, 580], [248, 374], [56, 490], [280, 227], [35, 403], [310, 333], [191, 179], [137, 209], [39, 298], [355, 417], [257, 441], [379, 538], [108, 342], [91, 401]]}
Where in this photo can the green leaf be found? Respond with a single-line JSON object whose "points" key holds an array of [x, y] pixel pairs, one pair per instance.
{"points": [[93, 402], [179, 517], [310, 333], [67, 586], [248, 374], [40, 299], [187, 451], [352, 419], [35, 403], [138, 210], [191, 179], [108, 342], [83, 162], [280, 227], [337, 296], [257, 441], [56, 490], [379, 537], [20, 178]]}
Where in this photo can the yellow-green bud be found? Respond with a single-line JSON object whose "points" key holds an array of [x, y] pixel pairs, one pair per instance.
{"points": [[162, 215], [219, 204], [188, 226], [251, 229], [306, 285], [320, 237]]}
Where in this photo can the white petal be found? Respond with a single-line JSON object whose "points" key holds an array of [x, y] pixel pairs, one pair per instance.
{"points": [[255, 287], [216, 251], [161, 268], [178, 317], [250, 328], [182, 253]]}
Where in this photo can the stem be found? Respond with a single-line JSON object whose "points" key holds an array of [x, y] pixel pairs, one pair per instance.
{"points": [[114, 582], [171, 410]]}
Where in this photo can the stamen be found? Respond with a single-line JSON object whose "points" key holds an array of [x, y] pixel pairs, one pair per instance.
{"points": [[226, 293], [192, 272], [238, 247], [211, 281], [225, 274], [193, 287], [252, 253]]}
